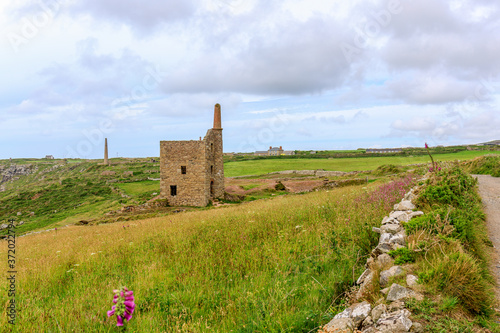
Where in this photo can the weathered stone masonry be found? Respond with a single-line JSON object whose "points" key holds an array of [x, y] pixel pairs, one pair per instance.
{"points": [[192, 172]]}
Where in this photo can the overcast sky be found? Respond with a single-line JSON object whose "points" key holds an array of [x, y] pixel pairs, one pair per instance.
{"points": [[312, 74]]}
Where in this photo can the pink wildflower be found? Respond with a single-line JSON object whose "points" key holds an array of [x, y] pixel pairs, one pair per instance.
{"points": [[125, 306]]}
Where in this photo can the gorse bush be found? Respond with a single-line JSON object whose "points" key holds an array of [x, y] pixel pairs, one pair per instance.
{"points": [[403, 256], [449, 187]]}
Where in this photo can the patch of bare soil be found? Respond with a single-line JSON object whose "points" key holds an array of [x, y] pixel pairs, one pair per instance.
{"points": [[489, 189], [297, 186], [233, 186]]}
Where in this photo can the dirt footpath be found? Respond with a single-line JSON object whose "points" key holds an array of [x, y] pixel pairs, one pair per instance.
{"points": [[489, 189]]}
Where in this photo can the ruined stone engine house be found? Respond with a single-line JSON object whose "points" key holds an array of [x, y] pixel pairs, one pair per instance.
{"points": [[192, 172]]}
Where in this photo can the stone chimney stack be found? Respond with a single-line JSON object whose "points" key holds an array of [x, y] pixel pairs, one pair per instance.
{"points": [[281, 148], [106, 151], [217, 120]]}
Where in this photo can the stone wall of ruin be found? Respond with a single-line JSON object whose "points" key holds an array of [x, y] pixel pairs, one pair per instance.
{"points": [[191, 187]]}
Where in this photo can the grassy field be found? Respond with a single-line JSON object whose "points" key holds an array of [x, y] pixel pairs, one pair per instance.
{"points": [[262, 166], [273, 265]]}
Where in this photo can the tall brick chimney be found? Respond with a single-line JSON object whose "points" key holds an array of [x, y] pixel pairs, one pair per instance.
{"points": [[106, 151], [217, 121]]}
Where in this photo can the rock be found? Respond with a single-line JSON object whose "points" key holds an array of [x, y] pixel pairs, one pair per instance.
{"points": [[19, 213], [393, 322], [378, 311], [398, 239], [365, 285], [416, 214], [384, 291], [340, 325], [400, 216], [385, 237], [410, 196], [371, 330], [385, 260], [368, 322], [377, 230], [397, 246], [360, 312], [396, 306], [404, 205], [4, 226], [388, 220], [392, 272], [411, 280], [369, 262], [381, 249], [344, 314], [417, 328], [20, 223], [397, 292], [363, 276], [404, 217], [32, 214], [391, 228]]}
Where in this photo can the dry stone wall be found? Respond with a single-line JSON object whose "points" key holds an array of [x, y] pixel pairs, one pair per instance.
{"points": [[388, 315]]}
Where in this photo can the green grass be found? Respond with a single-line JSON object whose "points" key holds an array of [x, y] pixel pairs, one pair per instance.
{"points": [[262, 166], [247, 187], [267, 266], [487, 165], [141, 190]]}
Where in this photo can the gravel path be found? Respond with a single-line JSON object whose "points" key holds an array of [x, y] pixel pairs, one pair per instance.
{"points": [[489, 189]]}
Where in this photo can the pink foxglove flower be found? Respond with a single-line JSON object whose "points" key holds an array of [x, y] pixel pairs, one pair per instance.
{"points": [[124, 305]]}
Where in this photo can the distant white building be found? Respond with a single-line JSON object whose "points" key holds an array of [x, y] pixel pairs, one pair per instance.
{"points": [[49, 157], [383, 150]]}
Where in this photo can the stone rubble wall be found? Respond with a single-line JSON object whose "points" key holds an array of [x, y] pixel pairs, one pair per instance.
{"points": [[314, 173], [317, 173], [13, 171], [389, 314]]}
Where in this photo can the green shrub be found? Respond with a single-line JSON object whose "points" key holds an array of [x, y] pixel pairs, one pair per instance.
{"points": [[403, 256]]}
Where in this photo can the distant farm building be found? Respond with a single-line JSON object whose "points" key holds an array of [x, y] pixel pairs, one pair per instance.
{"points": [[383, 150], [274, 151], [49, 157]]}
